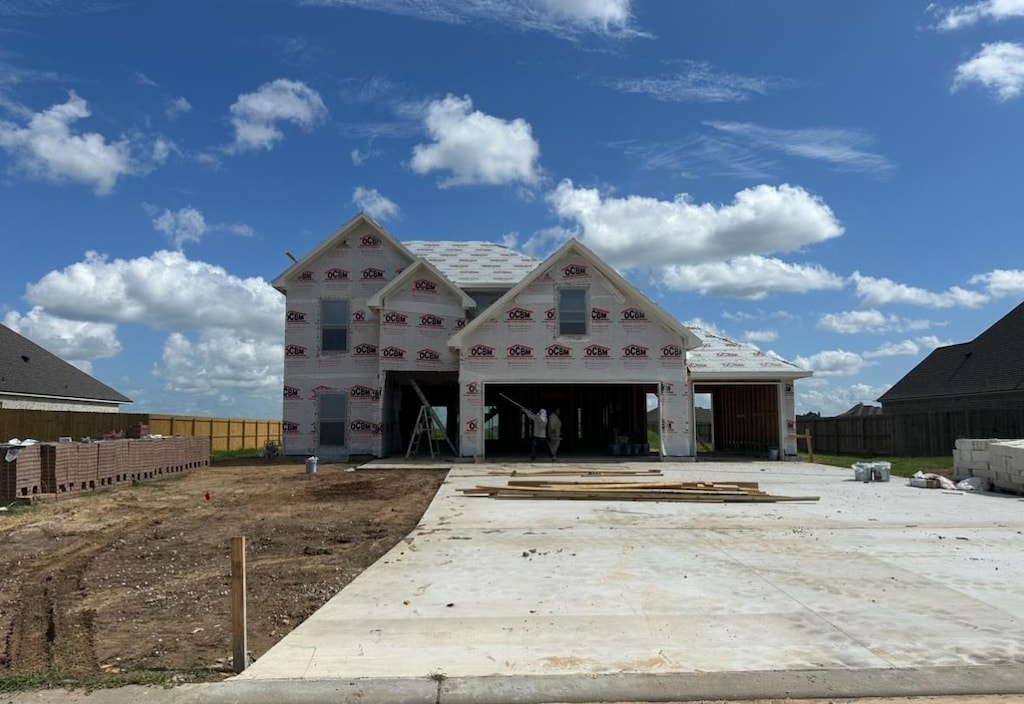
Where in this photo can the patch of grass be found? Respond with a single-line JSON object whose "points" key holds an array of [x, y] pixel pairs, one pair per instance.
{"points": [[243, 454], [55, 678], [901, 466]]}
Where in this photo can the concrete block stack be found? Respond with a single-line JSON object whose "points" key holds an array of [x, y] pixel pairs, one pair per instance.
{"points": [[21, 477], [999, 461]]}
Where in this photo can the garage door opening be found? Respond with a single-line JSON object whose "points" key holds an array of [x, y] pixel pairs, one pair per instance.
{"points": [[744, 419], [598, 420]]}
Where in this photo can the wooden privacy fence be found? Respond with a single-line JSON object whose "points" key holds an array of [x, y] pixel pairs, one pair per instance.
{"points": [[50, 426], [856, 435]]}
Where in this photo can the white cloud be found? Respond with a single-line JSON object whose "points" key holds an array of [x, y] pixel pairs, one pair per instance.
{"points": [[75, 341], [510, 240], [563, 18], [544, 242], [931, 342], [358, 157], [700, 83], [821, 396], [255, 116], [220, 361], [832, 363], [46, 148], [189, 225], [855, 322], [878, 292], [1001, 283], [378, 207], [476, 148], [966, 15], [998, 67], [642, 231], [841, 147], [700, 155], [164, 291], [178, 106], [751, 277], [906, 348], [760, 336]]}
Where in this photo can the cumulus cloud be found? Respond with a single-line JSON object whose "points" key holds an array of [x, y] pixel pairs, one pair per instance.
{"points": [[843, 148], [370, 201], [824, 397], [760, 336], [222, 360], [256, 116], [832, 363], [999, 67], [165, 290], [906, 348], [178, 106], [877, 292], [1001, 283], [967, 15], [855, 322], [47, 148], [699, 82], [75, 341], [643, 231], [563, 18], [474, 147], [706, 326], [189, 225], [752, 277]]}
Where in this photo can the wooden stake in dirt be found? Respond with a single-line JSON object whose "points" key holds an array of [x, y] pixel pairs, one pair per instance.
{"points": [[238, 618], [806, 435]]}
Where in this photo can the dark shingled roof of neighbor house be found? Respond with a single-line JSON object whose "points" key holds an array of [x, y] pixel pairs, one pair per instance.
{"points": [[991, 363], [27, 368]]}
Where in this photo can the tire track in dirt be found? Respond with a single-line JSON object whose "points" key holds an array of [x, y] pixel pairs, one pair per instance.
{"points": [[47, 631]]}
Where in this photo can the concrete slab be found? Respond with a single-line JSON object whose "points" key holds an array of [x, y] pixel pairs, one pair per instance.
{"points": [[877, 589]]}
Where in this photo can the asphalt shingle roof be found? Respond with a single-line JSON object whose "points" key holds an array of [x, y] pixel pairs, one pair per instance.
{"points": [[27, 368], [990, 363], [475, 264]]}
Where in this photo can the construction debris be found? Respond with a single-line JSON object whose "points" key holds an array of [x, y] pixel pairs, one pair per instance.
{"points": [[697, 492]]}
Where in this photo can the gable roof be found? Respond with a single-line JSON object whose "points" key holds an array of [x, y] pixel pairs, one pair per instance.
{"points": [[990, 363], [720, 358], [475, 265], [690, 340], [362, 219], [416, 269], [28, 369]]}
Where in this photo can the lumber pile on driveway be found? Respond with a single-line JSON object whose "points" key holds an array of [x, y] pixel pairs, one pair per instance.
{"points": [[696, 492]]}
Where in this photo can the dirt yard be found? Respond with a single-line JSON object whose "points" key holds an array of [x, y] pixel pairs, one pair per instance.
{"points": [[138, 577]]}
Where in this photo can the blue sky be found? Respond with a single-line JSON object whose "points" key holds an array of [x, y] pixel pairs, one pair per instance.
{"points": [[838, 183]]}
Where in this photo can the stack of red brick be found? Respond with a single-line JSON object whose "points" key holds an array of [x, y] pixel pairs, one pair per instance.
{"points": [[69, 467]]}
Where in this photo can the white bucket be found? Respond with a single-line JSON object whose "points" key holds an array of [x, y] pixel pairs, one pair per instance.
{"points": [[311, 465], [773, 453]]}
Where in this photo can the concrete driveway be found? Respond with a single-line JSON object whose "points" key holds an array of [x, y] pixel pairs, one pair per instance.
{"points": [[877, 589]]}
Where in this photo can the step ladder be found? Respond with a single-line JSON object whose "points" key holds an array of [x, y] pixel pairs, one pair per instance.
{"points": [[427, 421]]}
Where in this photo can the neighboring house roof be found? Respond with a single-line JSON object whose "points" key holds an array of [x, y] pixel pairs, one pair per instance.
{"points": [[419, 268], [475, 265], [720, 358], [26, 369], [862, 410], [991, 363], [689, 338]]}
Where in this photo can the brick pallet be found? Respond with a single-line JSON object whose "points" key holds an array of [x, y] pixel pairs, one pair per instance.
{"points": [[65, 468], [22, 476]]}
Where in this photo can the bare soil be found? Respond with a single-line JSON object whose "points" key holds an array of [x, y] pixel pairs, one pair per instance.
{"points": [[139, 577]]}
